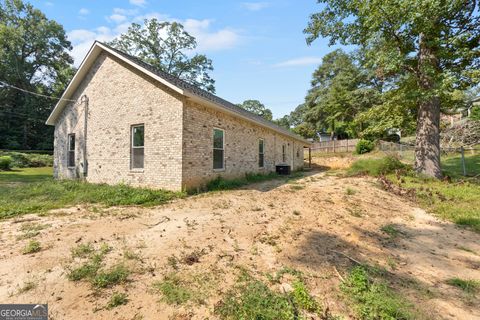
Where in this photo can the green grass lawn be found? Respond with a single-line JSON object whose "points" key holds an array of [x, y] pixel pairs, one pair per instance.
{"points": [[33, 190], [456, 199], [26, 175]]}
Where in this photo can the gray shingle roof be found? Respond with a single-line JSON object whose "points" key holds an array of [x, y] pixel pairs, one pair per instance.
{"points": [[204, 94]]}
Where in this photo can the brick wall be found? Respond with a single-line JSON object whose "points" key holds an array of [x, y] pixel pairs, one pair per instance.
{"points": [[119, 96], [241, 146]]}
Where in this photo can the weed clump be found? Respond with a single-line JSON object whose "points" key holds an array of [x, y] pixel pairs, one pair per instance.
{"points": [[373, 300]]}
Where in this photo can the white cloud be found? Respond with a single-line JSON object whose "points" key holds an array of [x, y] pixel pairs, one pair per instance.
{"points": [[84, 11], [210, 40], [255, 6], [49, 4], [117, 18], [299, 62], [140, 3], [207, 38]]}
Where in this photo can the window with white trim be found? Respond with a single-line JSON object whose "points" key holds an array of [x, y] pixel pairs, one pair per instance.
{"points": [[137, 147], [284, 153], [218, 149], [261, 153], [71, 150]]}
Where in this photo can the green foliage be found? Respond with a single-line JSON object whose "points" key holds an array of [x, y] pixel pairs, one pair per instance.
{"points": [[475, 113], [82, 250], [117, 299], [468, 286], [364, 146], [256, 107], [303, 299], [34, 56], [220, 183], [253, 299], [29, 160], [179, 289], [5, 163], [108, 278], [373, 300], [391, 230], [22, 198], [167, 46], [306, 130], [340, 90], [32, 247], [377, 166], [174, 290]]}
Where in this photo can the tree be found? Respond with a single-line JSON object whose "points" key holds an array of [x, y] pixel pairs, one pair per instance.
{"points": [[256, 107], [33, 57], [340, 90], [429, 48], [166, 46], [306, 130]]}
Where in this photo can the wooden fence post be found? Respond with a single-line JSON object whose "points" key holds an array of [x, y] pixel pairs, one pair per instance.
{"points": [[462, 151]]}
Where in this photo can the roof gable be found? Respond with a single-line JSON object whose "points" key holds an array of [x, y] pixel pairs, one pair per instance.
{"points": [[190, 91]]}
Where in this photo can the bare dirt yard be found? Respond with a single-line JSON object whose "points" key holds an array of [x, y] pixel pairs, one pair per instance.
{"points": [[177, 261]]}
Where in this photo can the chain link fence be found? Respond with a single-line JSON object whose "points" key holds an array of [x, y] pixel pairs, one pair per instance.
{"points": [[463, 161]]}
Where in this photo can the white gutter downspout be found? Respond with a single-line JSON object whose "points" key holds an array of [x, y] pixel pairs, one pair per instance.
{"points": [[85, 111]]}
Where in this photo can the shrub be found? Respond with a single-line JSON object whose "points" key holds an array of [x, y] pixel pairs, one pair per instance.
{"points": [[5, 163], [32, 247], [377, 167], [364, 146], [117, 299], [29, 160]]}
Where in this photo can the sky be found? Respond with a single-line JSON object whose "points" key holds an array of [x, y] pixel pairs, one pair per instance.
{"points": [[258, 48]]}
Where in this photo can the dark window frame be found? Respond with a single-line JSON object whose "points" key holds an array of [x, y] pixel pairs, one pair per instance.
{"points": [[71, 150], [218, 149], [261, 153], [133, 148], [284, 153]]}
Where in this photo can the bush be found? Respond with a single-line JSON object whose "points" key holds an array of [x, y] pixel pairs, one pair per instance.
{"points": [[377, 167], [29, 160], [364, 146], [5, 163]]}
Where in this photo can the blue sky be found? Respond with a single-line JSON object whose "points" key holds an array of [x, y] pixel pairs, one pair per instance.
{"points": [[258, 47]]}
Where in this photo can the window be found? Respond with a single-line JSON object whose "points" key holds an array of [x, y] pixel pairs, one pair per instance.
{"points": [[261, 153], [298, 153], [71, 150], [284, 153], [138, 149], [218, 149]]}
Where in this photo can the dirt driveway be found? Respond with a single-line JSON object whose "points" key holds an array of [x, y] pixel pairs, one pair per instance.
{"points": [[319, 225]]}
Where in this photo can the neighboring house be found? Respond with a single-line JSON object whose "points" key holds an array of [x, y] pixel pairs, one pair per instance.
{"points": [[122, 121]]}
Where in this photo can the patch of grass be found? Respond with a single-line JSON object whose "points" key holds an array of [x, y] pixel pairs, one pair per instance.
{"points": [[350, 191], [32, 247], [88, 270], [21, 193], [130, 255], [82, 250], [117, 299], [251, 298], [221, 183], [31, 230], [377, 166], [178, 289], [297, 187], [26, 175], [467, 249], [452, 165], [456, 200], [468, 286], [374, 300], [303, 299], [115, 275], [391, 230]]}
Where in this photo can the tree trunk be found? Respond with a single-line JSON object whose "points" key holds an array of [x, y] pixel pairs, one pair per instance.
{"points": [[427, 142]]}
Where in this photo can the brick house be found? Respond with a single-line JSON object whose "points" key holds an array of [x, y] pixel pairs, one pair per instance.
{"points": [[122, 121]]}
